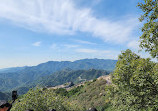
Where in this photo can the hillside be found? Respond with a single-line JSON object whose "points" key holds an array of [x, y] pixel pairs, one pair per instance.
{"points": [[91, 94], [76, 76], [12, 69], [61, 77], [4, 96], [81, 98], [27, 75]]}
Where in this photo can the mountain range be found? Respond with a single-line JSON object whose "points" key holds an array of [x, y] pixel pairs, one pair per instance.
{"points": [[62, 77], [12, 78]]}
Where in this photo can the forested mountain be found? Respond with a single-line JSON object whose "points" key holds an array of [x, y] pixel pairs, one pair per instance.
{"points": [[27, 75], [12, 69], [64, 76], [58, 78], [4, 96], [61, 77]]}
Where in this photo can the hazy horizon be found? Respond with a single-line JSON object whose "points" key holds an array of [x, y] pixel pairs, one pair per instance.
{"points": [[51, 61]]}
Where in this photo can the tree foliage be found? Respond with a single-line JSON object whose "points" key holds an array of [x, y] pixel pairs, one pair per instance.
{"points": [[135, 83], [80, 98], [43, 100], [149, 38]]}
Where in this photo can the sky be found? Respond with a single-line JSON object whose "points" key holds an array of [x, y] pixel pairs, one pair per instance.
{"points": [[37, 31]]}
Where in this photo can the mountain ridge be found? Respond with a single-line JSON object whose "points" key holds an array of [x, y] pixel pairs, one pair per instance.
{"points": [[18, 78], [12, 69]]}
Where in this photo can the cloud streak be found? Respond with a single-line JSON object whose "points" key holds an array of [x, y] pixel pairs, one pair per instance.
{"points": [[62, 17], [86, 50], [134, 44], [70, 46], [37, 44], [97, 51], [113, 54], [85, 42]]}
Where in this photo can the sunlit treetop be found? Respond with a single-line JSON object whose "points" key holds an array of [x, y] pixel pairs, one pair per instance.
{"points": [[149, 38]]}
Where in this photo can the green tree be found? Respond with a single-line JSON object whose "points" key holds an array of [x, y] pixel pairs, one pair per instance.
{"points": [[149, 38], [43, 100], [135, 83]]}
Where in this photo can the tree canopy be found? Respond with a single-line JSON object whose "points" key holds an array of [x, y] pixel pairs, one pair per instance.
{"points": [[149, 38], [42, 100], [135, 83]]}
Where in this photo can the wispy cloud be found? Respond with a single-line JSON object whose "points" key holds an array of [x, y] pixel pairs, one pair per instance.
{"points": [[37, 44], [63, 46], [113, 54], [85, 42], [134, 44], [54, 46], [86, 50], [70, 46], [62, 17]]}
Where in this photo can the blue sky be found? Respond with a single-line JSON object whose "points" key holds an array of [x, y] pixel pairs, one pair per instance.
{"points": [[36, 31]]}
